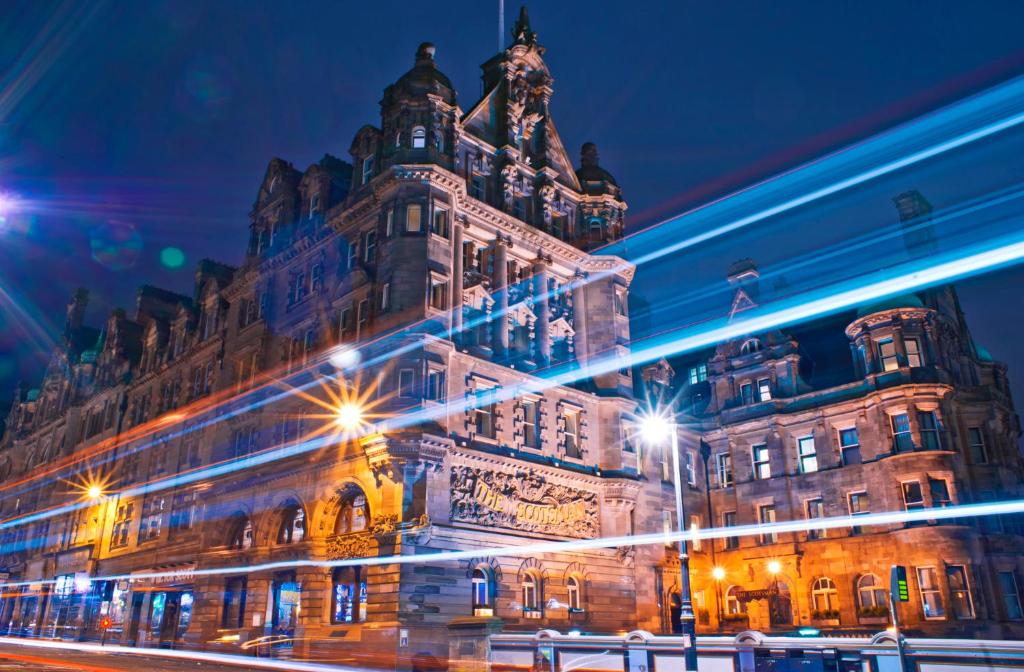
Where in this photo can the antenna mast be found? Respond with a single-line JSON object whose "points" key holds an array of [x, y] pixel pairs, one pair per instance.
{"points": [[501, 24]]}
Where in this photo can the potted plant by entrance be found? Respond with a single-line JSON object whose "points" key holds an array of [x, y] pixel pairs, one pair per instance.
{"points": [[826, 617], [874, 615]]}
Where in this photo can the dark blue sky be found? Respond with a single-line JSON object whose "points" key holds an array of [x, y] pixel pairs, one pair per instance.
{"points": [[149, 124]]}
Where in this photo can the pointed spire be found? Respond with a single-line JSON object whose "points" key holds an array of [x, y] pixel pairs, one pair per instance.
{"points": [[521, 32]]}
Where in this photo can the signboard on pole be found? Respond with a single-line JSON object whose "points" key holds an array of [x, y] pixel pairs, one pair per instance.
{"points": [[898, 584]]}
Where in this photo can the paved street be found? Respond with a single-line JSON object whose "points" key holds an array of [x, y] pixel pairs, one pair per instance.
{"points": [[19, 657]]}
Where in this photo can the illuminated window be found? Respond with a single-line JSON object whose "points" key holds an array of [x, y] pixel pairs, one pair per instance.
{"points": [[348, 595], [419, 137], [859, 505], [353, 514], [574, 594], [766, 516], [764, 389], [887, 354], [931, 594], [901, 437], [413, 213], [531, 589], [871, 594], [690, 467], [824, 596], [732, 601], [698, 374], [571, 440], [913, 352], [762, 465], [960, 602], [531, 423], [483, 594], [807, 454]]}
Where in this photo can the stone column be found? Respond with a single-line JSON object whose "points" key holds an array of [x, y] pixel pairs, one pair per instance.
{"points": [[899, 344], [500, 290], [858, 365], [457, 276], [869, 352], [579, 311], [541, 308]]}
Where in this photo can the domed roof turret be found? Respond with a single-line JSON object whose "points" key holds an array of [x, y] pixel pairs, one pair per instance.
{"points": [[902, 301], [424, 78], [593, 178]]}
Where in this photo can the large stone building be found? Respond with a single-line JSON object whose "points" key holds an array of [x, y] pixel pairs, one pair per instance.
{"points": [[451, 257], [891, 408]]}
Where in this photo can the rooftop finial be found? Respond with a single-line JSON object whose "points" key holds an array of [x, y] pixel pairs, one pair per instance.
{"points": [[588, 155], [425, 54], [521, 32]]}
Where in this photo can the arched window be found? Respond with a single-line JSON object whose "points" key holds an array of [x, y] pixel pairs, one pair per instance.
{"points": [[419, 137], [749, 346], [824, 596], [574, 593], [348, 595], [241, 533], [354, 514], [483, 593], [293, 525], [871, 595], [531, 595], [732, 601]]}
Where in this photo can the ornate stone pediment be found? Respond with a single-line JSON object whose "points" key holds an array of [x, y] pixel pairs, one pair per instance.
{"points": [[346, 546]]}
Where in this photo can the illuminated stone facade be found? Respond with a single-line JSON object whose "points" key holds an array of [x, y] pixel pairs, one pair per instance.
{"points": [[453, 250], [891, 408]]}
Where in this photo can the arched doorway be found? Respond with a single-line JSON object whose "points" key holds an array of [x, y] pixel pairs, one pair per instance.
{"points": [[675, 613], [780, 605]]}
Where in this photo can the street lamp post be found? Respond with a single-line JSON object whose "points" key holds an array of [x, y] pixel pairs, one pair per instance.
{"points": [[655, 426]]}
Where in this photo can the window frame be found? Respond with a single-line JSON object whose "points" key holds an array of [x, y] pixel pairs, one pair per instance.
{"points": [[807, 461], [934, 590], [762, 468]]}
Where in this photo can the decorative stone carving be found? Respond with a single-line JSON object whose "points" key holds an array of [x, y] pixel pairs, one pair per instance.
{"points": [[384, 525], [626, 555], [522, 500], [345, 546]]}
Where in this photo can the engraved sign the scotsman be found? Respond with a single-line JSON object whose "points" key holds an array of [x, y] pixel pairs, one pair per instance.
{"points": [[522, 500]]}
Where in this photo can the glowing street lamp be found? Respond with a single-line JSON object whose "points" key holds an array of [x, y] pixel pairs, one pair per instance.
{"points": [[774, 567], [94, 492], [349, 417], [657, 426], [718, 573]]}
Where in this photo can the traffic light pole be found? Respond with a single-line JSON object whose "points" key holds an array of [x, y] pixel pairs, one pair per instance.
{"points": [[898, 587]]}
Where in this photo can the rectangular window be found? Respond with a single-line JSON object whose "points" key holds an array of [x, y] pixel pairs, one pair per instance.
{"points": [[694, 529], [913, 352], [698, 374], [122, 525], [729, 520], [960, 602], [849, 446], [183, 507], [353, 254], [440, 224], [667, 528], [314, 205], [887, 355], [1011, 596], [531, 423], [152, 518], [233, 615], [389, 223], [913, 497], [370, 247], [929, 426], [367, 169], [346, 327], [807, 454], [691, 468], [902, 441], [762, 465], [478, 187], [362, 316], [406, 384], [385, 297], [317, 278], [723, 468], [438, 293], [571, 441], [413, 212], [619, 297], [939, 491], [764, 389], [976, 445], [815, 510], [931, 596], [747, 393], [435, 387], [483, 414], [859, 505], [766, 516]]}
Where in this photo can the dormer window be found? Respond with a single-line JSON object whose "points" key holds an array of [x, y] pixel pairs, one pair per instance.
{"points": [[367, 169], [419, 137], [314, 205]]}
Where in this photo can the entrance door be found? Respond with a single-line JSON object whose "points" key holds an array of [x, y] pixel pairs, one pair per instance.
{"points": [[675, 612], [136, 618], [169, 623], [780, 607], [286, 604]]}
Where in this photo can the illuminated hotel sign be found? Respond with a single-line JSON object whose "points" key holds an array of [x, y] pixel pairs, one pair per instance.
{"points": [[523, 500]]}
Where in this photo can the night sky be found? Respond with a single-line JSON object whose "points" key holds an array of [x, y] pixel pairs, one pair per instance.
{"points": [[128, 128]]}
